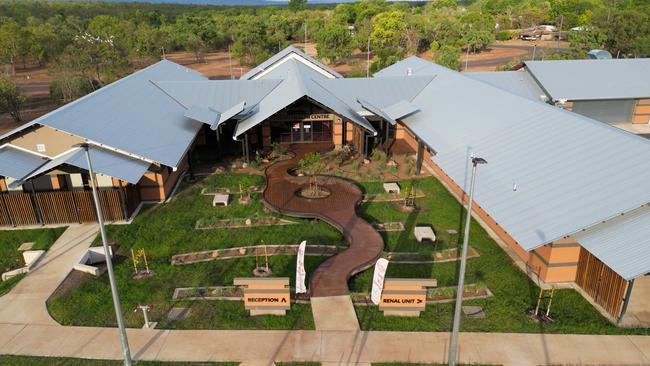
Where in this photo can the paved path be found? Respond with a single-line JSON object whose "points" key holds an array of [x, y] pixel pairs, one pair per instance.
{"points": [[25, 303], [334, 313], [336, 348], [338, 209]]}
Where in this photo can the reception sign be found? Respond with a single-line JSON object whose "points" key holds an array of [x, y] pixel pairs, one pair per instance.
{"points": [[263, 296], [405, 296]]}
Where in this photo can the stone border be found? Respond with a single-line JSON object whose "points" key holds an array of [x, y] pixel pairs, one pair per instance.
{"points": [[248, 251], [390, 197], [430, 298]]}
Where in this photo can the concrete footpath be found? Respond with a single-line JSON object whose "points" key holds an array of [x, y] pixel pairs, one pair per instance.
{"points": [[335, 347], [25, 303]]}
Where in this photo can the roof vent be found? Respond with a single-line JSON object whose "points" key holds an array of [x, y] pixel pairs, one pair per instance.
{"points": [[409, 71]]}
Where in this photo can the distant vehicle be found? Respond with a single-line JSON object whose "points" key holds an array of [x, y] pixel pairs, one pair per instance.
{"points": [[599, 55], [543, 32]]}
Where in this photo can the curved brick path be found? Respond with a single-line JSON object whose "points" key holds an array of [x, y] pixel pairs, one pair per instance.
{"points": [[339, 210]]}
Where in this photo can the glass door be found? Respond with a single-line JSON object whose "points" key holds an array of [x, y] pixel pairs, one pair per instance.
{"points": [[307, 132]]}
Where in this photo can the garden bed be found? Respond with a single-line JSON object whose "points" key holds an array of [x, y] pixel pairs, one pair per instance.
{"points": [[389, 226], [224, 293], [251, 251], [438, 295], [241, 222], [391, 197], [439, 256]]}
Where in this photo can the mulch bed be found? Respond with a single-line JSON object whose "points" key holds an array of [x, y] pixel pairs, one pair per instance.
{"points": [[440, 256], [436, 295], [237, 223], [389, 226]]}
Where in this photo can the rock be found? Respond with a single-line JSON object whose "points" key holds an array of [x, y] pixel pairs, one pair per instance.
{"points": [[265, 161], [248, 222], [366, 161], [215, 254], [391, 163], [244, 165], [233, 166], [219, 170], [242, 251]]}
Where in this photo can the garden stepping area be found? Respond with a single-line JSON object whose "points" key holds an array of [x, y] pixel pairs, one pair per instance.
{"points": [[338, 209]]}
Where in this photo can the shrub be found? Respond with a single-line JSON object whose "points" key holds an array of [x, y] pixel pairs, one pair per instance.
{"points": [[69, 88], [504, 35]]}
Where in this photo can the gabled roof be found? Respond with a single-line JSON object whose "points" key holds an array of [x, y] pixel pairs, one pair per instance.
{"points": [[298, 81], [16, 163], [550, 172], [132, 115], [593, 79], [286, 54], [517, 82], [622, 243], [104, 161]]}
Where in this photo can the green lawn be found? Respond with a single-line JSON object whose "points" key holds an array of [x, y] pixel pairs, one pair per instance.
{"points": [[165, 230], [168, 229], [60, 361], [11, 258]]}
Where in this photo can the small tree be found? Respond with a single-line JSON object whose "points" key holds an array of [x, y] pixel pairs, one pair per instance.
{"points": [[296, 5], [311, 165], [448, 56], [11, 99], [334, 42]]}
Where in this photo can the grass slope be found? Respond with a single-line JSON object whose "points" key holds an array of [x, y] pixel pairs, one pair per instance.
{"points": [[11, 258]]}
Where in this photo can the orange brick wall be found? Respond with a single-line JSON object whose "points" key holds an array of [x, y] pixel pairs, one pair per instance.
{"points": [[642, 112], [158, 186]]}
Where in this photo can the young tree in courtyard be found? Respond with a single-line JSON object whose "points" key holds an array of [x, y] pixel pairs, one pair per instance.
{"points": [[11, 99]]}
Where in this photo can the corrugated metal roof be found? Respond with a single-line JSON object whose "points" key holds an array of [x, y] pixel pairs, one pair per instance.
{"points": [[219, 95], [16, 163], [551, 172], [622, 243], [376, 111], [298, 81], [203, 115], [517, 82], [381, 92], [593, 79], [104, 161], [133, 115], [283, 54]]}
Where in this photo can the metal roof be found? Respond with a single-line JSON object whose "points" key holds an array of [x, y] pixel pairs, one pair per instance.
{"points": [[104, 162], [298, 81], [551, 172], [593, 79], [284, 54], [517, 82], [133, 115], [622, 243], [16, 163], [381, 92]]}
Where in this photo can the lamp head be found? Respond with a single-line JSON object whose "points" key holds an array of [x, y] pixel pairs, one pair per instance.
{"points": [[477, 161]]}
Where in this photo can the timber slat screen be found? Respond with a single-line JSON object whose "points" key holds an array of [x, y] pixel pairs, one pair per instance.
{"points": [[62, 207], [605, 286]]}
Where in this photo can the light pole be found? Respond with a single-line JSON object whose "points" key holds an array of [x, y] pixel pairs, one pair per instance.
{"points": [[109, 262], [453, 344]]}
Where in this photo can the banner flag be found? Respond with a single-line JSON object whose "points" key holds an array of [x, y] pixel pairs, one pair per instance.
{"points": [[300, 269], [378, 280]]}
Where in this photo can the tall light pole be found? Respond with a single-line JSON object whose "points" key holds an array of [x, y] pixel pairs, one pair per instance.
{"points": [[109, 262], [453, 344]]}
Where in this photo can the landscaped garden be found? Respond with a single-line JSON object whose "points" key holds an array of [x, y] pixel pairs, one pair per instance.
{"points": [[166, 230], [11, 257]]}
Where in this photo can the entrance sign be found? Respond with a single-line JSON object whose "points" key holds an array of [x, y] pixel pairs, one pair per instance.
{"points": [[378, 280], [265, 295], [405, 296], [300, 269]]}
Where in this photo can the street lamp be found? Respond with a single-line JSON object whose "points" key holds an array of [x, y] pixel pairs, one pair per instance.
{"points": [[109, 262], [453, 344]]}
